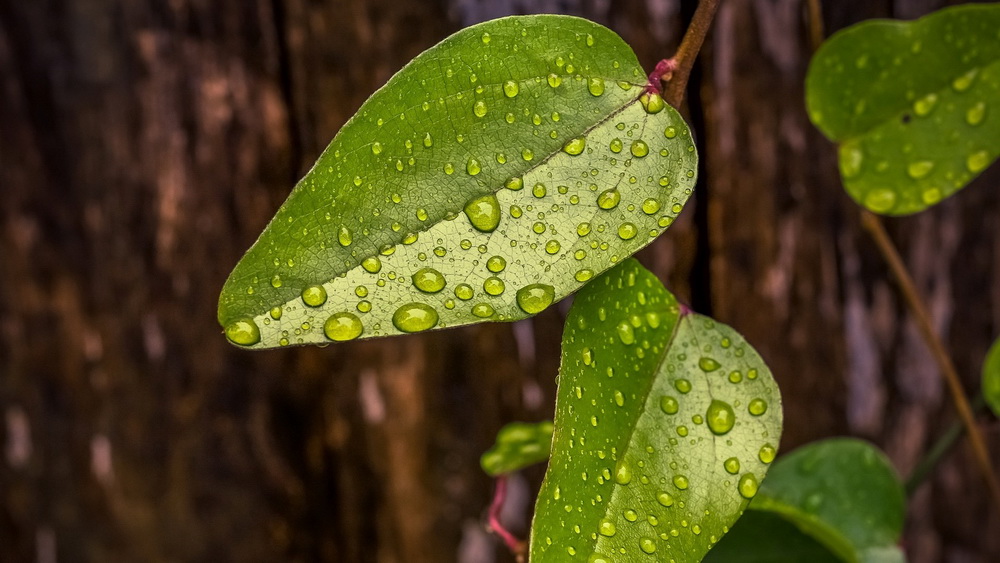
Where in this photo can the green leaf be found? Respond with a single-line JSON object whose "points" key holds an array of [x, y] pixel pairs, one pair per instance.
{"points": [[991, 378], [519, 444], [915, 106], [844, 493], [665, 423], [492, 176], [764, 537]]}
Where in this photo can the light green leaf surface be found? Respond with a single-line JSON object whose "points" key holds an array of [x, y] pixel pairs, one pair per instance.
{"points": [[765, 537], [519, 444], [492, 176], [665, 424], [991, 378], [844, 493], [915, 106]]}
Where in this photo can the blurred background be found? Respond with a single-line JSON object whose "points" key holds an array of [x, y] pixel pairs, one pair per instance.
{"points": [[144, 144]]}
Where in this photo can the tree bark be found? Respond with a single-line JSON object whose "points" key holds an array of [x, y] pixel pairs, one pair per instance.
{"points": [[144, 146]]}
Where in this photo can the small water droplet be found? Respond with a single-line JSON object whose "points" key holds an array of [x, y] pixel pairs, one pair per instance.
{"points": [[341, 327], [652, 102], [720, 417], [510, 88], [975, 114], [623, 474], [766, 453], [669, 404], [748, 485], [880, 200], [625, 333], [496, 264], [639, 148], [595, 86], [732, 466], [484, 213], [535, 298], [372, 265], [963, 82], [414, 317], [647, 545], [681, 482], [925, 105], [757, 407], [314, 295], [919, 169], [683, 385], [606, 528], [616, 145], [977, 161], [554, 80], [575, 146], [609, 199], [584, 275], [627, 231], [473, 167], [428, 280], [243, 332], [483, 310], [376, 148]]}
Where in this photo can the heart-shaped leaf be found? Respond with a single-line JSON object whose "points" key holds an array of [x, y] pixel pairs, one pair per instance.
{"points": [[519, 444], [492, 176], [991, 378], [844, 493], [915, 106], [665, 424]]}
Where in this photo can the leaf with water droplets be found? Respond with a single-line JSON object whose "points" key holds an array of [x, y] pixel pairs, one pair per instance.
{"points": [[492, 176], [915, 106], [842, 492], [991, 378], [665, 424], [519, 444]]}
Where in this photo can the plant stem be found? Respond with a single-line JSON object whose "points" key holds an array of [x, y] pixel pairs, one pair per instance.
{"points": [[874, 226], [516, 546], [686, 54], [941, 447]]}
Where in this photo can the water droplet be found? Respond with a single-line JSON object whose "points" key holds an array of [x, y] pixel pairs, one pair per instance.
{"points": [[919, 169], [639, 148], [484, 213], [414, 317], [650, 206], [590, 40], [880, 200], [748, 485], [482, 310], [931, 196], [496, 264], [493, 286], [276, 281], [925, 105], [583, 229], [552, 247], [376, 148], [275, 313], [720, 416], [732, 465], [595, 86], [963, 82], [575, 146], [449, 169], [630, 515], [670, 132], [669, 404], [767, 453], [473, 167], [510, 88], [372, 265], [527, 155], [428, 280], [623, 474], [627, 231], [975, 114], [344, 236], [616, 146], [535, 298], [757, 407], [606, 528], [554, 80], [486, 38], [341, 327], [977, 161], [609, 199], [652, 102], [314, 295], [680, 482], [243, 332], [619, 399], [625, 333], [584, 275], [539, 190], [683, 385], [647, 545]]}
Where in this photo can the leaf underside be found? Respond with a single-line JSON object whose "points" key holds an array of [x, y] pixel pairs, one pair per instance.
{"points": [[844, 493], [991, 378], [665, 423], [492, 176], [915, 106]]}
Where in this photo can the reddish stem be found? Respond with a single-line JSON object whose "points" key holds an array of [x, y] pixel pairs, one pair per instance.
{"points": [[662, 74], [515, 545]]}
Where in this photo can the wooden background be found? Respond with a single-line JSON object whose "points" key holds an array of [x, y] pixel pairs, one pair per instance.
{"points": [[144, 145]]}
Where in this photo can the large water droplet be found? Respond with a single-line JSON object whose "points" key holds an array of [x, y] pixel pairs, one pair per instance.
{"points": [[479, 108], [554, 80], [977, 161], [757, 407], [483, 310], [464, 291], [606, 528], [484, 213], [372, 265], [496, 264], [473, 167], [665, 499], [510, 88], [681, 482], [748, 485], [625, 333], [652, 102], [595, 86], [609, 199], [243, 332], [575, 146], [414, 317], [919, 169], [428, 280], [493, 286], [720, 417], [880, 200], [623, 474], [766, 453], [732, 466], [647, 545], [341, 327], [639, 148], [535, 298], [627, 231], [314, 295], [669, 404]]}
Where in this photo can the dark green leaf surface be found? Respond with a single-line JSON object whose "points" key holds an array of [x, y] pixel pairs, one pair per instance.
{"points": [[915, 106], [665, 423], [765, 537], [492, 176], [519, 444], [991, 378], [844, 493]]}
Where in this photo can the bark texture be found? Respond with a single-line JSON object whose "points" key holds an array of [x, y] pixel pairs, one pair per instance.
{"points": [[143, 147]]}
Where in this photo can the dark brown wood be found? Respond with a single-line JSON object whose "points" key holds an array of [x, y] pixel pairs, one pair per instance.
{"points": [[144, 145]]}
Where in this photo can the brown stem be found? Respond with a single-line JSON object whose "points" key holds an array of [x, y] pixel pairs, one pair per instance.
{"points": [[874, 226], [686, 54], [814, 13]]}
